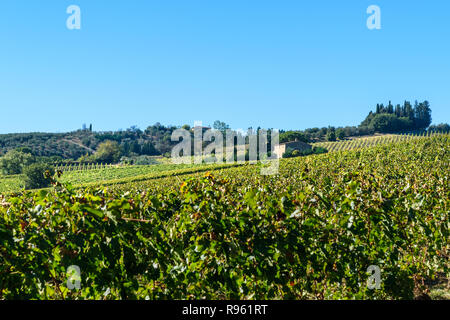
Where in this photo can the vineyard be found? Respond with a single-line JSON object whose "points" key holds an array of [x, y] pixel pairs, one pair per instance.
{"points": [[80, 174], [359, 143], [85, 175], [309, 232], [11, 183]]}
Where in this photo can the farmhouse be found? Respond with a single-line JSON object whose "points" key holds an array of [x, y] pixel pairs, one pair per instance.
{"points": [[280, 149]]}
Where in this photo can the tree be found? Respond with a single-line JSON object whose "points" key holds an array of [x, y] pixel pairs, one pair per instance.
{"points": [[384, 123], [25, 150], [422, 115], [108, 152], [135, 147], [292, 136], [390, 108], [405, 123], [38, 175], [442, 127], [14, 161], [409, 111], [398, 110], [369, 117], [148, 149], [331, 134], [340, 134], [319, 150], [221, 126], [400, 118]]}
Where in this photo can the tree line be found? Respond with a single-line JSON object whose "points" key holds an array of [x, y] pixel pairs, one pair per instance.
{"points": [[403, 118], [134, 145], [390, 119]]}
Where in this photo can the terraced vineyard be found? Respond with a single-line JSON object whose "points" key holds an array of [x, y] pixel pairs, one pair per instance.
{"points": [[359, 143], [309, 232]]}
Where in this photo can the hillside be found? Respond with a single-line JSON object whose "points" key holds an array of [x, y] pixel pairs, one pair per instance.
{"points": [[309, 232], [155, 140], [107, 175], [368, 141]]}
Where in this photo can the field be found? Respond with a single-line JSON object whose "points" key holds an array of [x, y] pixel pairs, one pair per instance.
{"points": [[364, 142], [110, 175], [309, 232]]}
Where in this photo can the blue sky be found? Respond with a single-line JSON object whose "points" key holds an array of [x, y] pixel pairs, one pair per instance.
{"points": [[275, 64]]}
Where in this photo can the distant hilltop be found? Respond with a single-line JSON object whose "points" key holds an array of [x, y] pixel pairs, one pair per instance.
{"points": [[155, 140]]}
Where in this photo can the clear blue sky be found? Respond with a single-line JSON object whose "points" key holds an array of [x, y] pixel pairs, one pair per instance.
{"points": [[275, 64]]}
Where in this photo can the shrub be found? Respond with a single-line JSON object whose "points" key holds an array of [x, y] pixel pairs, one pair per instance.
{"points": [[331, 135], [291, 153], [288, 153], [108, 151], [340, 134], [295, 153], [292, 136], [14, 161], [144, 160], [319, 150], [38, 175]]}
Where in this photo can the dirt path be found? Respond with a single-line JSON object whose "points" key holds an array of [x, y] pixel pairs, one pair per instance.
{"points": [[79, 144]]}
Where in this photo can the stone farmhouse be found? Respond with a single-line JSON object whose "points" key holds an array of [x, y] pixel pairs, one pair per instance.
{"points": [[295, 145]]}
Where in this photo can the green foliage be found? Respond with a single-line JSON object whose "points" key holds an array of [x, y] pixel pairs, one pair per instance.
{"points": [[402, 118], [155, 140], [108, 152], [221, 126], [442, 127], [331, 134], [371, 141], [340, 134], [319, 150], [289, 136], [101, 174], [384, 122], [14, 161], [38, 175], [309, 232], [25, 150], [291, 153]]}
